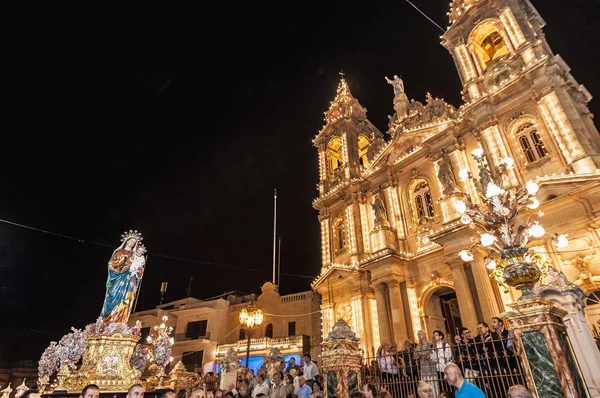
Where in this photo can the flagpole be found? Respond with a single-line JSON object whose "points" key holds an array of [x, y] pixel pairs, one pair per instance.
{"points": [[279, 264], [274, 232]]}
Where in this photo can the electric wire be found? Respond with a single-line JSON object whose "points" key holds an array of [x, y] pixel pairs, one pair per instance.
{"points": [[149, 252], [425, 15]]}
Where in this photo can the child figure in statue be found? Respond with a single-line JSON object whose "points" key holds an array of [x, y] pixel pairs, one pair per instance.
{"points": [[125, 269]]}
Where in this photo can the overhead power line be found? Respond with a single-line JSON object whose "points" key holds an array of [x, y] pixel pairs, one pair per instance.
{"points": [[425, 15], [189, 260]]}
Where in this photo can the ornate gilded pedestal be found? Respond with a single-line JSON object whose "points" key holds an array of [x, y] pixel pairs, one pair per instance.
{"points": [[541, 340], [106, 364], [342, 359]]}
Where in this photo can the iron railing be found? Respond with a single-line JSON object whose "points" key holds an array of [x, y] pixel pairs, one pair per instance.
{"points": [[491, 365]]}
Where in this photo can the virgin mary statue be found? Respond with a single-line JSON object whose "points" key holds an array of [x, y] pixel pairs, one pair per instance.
{"points": [[125, 270]]}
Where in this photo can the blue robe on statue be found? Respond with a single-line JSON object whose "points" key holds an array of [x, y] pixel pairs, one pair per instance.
{"points": [[121, 285]]}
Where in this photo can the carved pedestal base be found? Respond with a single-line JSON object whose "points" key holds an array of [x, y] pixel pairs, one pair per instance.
{"points": [[545, 350], [383, 238], [106, 364]]}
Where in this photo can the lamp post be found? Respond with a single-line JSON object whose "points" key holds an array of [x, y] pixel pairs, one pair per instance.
{"points": [[511, 261], [251, 317], [163, 344]]}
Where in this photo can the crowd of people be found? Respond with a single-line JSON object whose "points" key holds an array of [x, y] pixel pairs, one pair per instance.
{"points": [[289, 380], [488, 361]]}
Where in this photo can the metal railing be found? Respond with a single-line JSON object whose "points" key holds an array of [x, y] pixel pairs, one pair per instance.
{"points": [[491, 365]]}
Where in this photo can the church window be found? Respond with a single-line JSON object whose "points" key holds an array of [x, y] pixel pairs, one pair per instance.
{"points": [[335, 158], [269, 330], [339, 234], [363, 146], [488, 42], [423, 203], [531, 142]]}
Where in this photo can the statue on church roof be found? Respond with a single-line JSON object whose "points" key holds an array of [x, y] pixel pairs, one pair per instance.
{"points": [[397, 84]]}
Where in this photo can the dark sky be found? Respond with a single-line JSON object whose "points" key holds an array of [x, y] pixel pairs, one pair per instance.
{"points": [[179, 121]]}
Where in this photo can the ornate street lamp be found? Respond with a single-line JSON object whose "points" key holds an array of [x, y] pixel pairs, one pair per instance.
{"points": [[251, 317], [163, 346], [505, 240]]}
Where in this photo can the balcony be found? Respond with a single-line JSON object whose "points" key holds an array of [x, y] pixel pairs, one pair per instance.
{"points": [[298, 342], [183, 337]]}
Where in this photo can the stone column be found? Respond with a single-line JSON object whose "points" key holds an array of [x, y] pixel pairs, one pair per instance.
{"points": [[485, 294], [468, 314], [398, 324], [540, 339], [571, 298], [382, 314]]}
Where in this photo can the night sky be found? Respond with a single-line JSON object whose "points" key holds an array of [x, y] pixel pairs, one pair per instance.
{"points": [[179, 121]]}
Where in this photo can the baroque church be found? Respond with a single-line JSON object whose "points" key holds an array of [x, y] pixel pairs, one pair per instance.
{"points": [[390, 234]]}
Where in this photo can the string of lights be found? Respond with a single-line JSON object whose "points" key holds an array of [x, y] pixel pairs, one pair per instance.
{"points": [[151, 253]]}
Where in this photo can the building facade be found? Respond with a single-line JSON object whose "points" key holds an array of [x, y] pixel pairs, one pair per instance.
{"points": [[204, 330], [390, 234]]}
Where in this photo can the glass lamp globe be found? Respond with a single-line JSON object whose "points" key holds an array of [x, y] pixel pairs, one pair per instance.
{"points": [[477, 152], [533, 203], [463, 174], [487, 239], [531, 187], [536, 230], [460, 206], [465, 255], [509, 162], [562, 241], [491, 264]]}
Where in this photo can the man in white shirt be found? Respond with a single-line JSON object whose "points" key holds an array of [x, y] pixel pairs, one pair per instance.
{"points": [[261, 386], [310, 369]]}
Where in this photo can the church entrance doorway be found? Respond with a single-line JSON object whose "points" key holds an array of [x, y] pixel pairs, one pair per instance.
{"points": [[442, 313]]}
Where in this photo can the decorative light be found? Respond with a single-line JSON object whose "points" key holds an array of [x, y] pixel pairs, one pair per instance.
{"points": [[465, 255], [533, 203], [493, 190], [465, 219], [508, 162], [490, 263], [425, 239], [461, 207], [536, 230], [531, 187], [487, 239], [477, 152], [463, 174], [561, 241]]}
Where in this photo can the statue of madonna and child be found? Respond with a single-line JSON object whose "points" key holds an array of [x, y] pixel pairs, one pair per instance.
{"points": [[125, 271]]}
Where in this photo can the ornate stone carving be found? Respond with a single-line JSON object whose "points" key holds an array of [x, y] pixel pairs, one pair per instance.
{"points": [[341, 331]]}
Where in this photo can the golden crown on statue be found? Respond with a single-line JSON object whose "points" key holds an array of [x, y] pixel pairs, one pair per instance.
{"points": [[131, 234]]}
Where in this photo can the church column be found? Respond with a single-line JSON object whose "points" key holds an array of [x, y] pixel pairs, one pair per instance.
{"points": [[399, 325], [487, 298], [368, 328], [382, 314], [466, 306]]}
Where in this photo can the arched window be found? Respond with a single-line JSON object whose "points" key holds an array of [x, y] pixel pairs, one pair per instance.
{"points": [[530, 141], [423, 203], [363, 146], [269, 330], [334, 154], [339, 234], [488, 42], [242, 334], [593, 298]]}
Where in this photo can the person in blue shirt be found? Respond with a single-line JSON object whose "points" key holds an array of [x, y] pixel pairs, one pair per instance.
{"points": [[464, 389], [304, 390]]}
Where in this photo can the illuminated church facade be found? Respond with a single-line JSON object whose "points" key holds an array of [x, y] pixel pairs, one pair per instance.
{"points": [[390, 234]]}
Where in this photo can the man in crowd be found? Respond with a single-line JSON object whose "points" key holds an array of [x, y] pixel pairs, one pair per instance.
{"points": [[310, 369], [261, 386], [278, 389], [293, 365], [166, 393], [425, 390], [136, 391], [518, 391], [464, 389], [369, 391], [304, 390], [466, 355], [90, 391], [31, 394], [198, 392]]}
